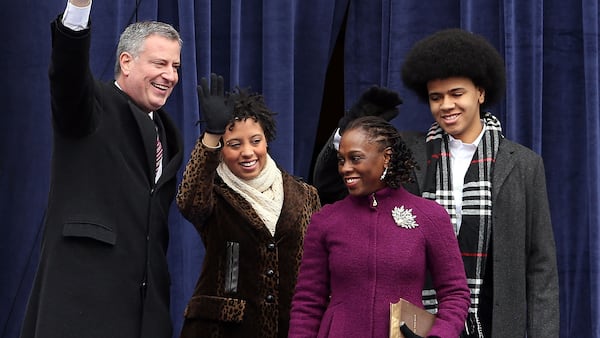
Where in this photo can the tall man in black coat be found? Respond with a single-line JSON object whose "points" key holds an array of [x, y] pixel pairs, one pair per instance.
{"points": [[103, 269]]}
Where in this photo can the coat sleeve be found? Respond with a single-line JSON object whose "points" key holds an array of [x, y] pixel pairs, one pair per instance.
{"points": [[312, 288], [445, 263], [542, 276], [71, 81], [195, 196]]}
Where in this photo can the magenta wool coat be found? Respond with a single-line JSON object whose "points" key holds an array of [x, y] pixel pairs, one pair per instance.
{"points": [[357, 260]]}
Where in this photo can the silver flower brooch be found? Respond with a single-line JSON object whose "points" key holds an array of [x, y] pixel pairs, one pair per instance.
{"points": [[404, 218]]}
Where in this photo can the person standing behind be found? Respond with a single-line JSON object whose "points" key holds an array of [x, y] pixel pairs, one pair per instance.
{"points": [[376, 245], [375, 101], [494, 189], [103, 269], [251, 216]]}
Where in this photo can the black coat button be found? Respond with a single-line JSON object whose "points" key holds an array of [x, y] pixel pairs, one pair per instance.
{"points": [[270, 299]]}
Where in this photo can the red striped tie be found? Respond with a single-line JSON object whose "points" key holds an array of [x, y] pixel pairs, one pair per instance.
{"points": [[159, 153]]}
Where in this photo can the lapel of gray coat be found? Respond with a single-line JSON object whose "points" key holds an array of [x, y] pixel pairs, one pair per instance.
{"points": [[505, 163]]}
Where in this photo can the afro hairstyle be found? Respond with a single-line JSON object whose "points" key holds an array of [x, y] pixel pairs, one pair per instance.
{"points": [[455, 52]]}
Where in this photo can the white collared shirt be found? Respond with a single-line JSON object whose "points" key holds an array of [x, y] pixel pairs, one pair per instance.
{"points": [[461, 155]]}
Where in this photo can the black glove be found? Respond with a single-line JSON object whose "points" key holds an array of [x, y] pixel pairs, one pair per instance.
{"points": [[408, 332], [375, 101], [216, 108]]}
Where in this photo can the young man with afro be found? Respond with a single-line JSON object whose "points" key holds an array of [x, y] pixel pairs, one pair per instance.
{"points": [[494, 189]]}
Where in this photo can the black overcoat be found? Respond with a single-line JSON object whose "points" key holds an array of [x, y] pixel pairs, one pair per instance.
{"points": [[103, 269]]}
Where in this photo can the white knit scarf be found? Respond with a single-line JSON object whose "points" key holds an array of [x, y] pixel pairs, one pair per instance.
{"points": [[264, 192]]}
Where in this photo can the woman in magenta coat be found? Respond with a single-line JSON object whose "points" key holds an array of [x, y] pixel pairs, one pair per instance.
{"points": [[375, 246]]}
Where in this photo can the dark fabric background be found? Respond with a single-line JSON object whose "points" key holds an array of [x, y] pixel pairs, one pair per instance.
{"points": [[283, 49]]}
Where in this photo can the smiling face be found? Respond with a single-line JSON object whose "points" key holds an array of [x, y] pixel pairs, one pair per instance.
{"points": [[245, 149], [454, 104], [149, 78], [361, 163]]}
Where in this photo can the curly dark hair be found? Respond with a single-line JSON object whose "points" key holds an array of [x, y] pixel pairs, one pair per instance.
{"points": [[386, 135], [252, 105], [455, 52]]}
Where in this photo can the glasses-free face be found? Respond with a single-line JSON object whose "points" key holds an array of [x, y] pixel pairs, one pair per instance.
{"points": [[150, 77], [245, 149], [361, 163], [455, 105]]}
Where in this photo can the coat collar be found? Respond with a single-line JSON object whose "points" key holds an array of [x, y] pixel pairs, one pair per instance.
{"points": [[505, 162], [290, 212], [147, 131]]}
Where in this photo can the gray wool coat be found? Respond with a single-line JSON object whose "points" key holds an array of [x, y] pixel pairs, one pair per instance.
{"points": [[525, 277]]}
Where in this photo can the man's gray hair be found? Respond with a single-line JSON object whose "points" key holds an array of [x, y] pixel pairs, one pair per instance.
{"points": [[133, 37]]}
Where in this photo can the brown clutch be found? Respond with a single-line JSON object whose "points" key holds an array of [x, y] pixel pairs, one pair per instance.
{"points": [[417, 319]]}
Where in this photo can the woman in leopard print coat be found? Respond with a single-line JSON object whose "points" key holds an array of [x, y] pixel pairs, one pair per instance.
{"points": [[253, 237]]}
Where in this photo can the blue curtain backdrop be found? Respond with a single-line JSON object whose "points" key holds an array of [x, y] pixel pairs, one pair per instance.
{"points": [[283, 49]]}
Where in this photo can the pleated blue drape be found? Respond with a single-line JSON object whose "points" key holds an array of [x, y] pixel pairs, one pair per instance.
{"points": [[283, 49]]}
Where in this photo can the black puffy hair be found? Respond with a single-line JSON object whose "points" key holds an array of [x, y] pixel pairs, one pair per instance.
{"points": [[252, 105], [455, 52], [383, 133]]}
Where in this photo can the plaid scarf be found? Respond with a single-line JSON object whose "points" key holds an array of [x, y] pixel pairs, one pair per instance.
{"points": [[476, 222]]}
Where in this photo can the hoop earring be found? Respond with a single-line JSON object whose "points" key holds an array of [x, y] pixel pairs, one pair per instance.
{"points": [[382, 177]]}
